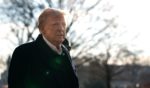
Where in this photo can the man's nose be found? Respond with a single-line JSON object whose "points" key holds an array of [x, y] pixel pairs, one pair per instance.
{"points": [[61, 27]]}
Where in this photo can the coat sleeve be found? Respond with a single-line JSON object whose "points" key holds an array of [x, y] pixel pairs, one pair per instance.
{"points": [[17, 70]]}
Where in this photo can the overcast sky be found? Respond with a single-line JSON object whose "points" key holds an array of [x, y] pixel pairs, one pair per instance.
{"points": [[134, 16]]}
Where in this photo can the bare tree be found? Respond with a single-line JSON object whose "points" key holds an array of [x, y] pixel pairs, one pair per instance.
{"points": [[122, 54], [21, 14]]}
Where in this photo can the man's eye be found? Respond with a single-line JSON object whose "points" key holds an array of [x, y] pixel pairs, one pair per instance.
{"points": [[55, 24]]}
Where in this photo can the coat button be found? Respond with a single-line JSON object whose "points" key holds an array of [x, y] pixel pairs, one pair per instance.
{"points": [[47, 73]]}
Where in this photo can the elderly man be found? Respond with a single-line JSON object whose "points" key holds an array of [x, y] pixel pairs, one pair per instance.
{"points": [[45, 62]]}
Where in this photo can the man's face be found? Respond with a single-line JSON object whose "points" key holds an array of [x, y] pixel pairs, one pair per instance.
{"points": [[54, 29]]}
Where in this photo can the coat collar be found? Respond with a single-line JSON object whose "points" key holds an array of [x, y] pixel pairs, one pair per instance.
{"points": [[43, 46]]}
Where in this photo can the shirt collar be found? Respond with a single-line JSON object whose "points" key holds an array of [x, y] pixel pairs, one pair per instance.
{"points": [[52, 46]]}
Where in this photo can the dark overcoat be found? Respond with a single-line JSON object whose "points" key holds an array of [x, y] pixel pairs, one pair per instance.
{"points": [[36, 65]]}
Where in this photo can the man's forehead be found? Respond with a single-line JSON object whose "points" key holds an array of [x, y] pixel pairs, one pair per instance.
{"points": [[56, 18]]}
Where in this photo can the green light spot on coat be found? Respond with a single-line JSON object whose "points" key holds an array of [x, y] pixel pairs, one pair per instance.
{"points": [[58, 61], [32, 85], [56, 64]]}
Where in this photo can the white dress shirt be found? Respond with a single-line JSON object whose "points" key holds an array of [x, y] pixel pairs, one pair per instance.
{"points": [[52, 46]]}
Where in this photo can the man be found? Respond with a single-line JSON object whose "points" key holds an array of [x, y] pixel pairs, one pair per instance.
{"points": [[45, 62]]}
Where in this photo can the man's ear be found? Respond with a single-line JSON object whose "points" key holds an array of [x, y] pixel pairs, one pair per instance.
{"points": [[41, 31]]}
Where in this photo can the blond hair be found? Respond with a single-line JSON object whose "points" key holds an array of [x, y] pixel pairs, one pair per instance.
{"points": [[49, 12]]}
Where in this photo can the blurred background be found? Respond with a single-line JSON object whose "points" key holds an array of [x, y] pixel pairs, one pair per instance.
{"points": [[109, 38]]}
